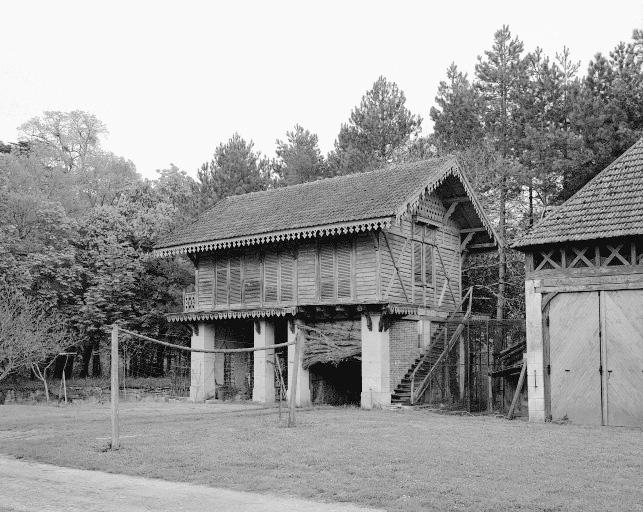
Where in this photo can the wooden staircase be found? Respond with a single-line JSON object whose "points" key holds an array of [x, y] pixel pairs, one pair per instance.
{"points": [[418, 376]]}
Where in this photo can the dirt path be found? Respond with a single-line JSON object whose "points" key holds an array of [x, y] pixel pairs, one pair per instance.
{"points": [[27, 486]]}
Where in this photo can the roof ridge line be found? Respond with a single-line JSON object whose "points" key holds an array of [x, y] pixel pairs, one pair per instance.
{"points": [[338, 177]]}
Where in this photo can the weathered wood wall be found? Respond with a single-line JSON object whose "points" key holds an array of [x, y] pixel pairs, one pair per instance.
{"points": [[581, 267], [413, 262], [328, 270], [420, 262]]}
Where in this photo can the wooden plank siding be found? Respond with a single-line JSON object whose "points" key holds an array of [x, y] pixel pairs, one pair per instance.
{"points": [[442, 237], [307, 272], [366, 278], [409, 263], [325, 271]]}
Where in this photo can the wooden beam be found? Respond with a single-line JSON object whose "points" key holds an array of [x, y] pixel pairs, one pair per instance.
{"points": [[457, 199], [617, 270], [579, 279], [465, 242], [444, 289], [483, 246], [473, 230], [396, 265], [293, 380], [115, 444], [521, 381], [449, 212], [590, 287], [429, 222]]}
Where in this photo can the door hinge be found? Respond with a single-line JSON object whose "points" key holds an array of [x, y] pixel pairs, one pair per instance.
{"points": [[548, 369], [600, 369]]}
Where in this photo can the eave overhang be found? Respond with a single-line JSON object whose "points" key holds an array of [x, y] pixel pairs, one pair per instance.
{"points": [[341, 228], [200, 316]]}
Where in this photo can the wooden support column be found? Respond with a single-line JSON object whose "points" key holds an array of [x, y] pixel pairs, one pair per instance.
{"points": [[535, 351], [264, 373], [202, 383], [302, 395], [376, 357]]}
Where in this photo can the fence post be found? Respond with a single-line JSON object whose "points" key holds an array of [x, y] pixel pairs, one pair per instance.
{"points": [[114, 374], [293, 379]]}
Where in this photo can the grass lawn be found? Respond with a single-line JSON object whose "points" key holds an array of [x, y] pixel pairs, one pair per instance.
{"points": [[398, 460]]}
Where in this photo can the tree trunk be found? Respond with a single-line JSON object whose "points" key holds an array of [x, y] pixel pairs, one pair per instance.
{"points": [[44, 381], [531, 204], [502, 256], [97, 370], [160, 354], [87, 357]]}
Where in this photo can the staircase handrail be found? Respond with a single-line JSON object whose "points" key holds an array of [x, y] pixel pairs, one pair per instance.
{"points": [[447, 348]]}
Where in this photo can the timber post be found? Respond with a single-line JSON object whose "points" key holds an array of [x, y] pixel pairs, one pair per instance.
{"points": [[295, 371], [521, 380], [115, 444]]}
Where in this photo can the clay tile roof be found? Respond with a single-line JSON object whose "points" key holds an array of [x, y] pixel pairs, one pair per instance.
{"points": [[610, 205], [379, 194]]}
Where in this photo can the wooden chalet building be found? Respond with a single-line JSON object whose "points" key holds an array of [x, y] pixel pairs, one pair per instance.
{"points": [[374, 256], [584, 301]]}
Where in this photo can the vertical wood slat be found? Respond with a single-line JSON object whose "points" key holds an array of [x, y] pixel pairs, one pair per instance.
{"points": [[378, 265], [563, 258], [196, 286], [235, 280], [353, 249], [364, 267], [428, 265], [205, 283], [529, 262], [222, 283], [307, 273], [251, 279], [344, 269], [327, 281], [271, 277], [418, 277], [287, 277]]}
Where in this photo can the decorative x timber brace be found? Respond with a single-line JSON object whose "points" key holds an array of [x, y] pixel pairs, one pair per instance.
{"points": [[396, 264]]}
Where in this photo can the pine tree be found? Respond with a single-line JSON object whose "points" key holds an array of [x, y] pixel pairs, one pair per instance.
{"points": [[376, 129], [234, 169], [501, 80], [549, 148], [456, 119], [607, 111], [300, 159]]}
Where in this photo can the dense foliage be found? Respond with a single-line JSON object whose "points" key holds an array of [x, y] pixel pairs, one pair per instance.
{"points": [[77, 223]]}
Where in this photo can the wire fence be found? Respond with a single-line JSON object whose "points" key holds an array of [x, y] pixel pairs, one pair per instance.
{"points": [[136, 358], [150, 369], [474, 375]]}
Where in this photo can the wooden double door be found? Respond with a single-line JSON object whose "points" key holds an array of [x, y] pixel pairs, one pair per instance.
{"points": [[594, 356]]}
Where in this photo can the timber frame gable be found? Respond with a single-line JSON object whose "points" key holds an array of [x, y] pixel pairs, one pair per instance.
{"points": [[410, 206]]}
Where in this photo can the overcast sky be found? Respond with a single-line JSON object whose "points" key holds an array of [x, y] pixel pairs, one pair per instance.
{"points": [[173, 79]]}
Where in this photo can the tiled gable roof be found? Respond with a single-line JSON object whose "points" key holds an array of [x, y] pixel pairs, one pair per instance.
{"points": [[376, 197], [610, 205]]}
